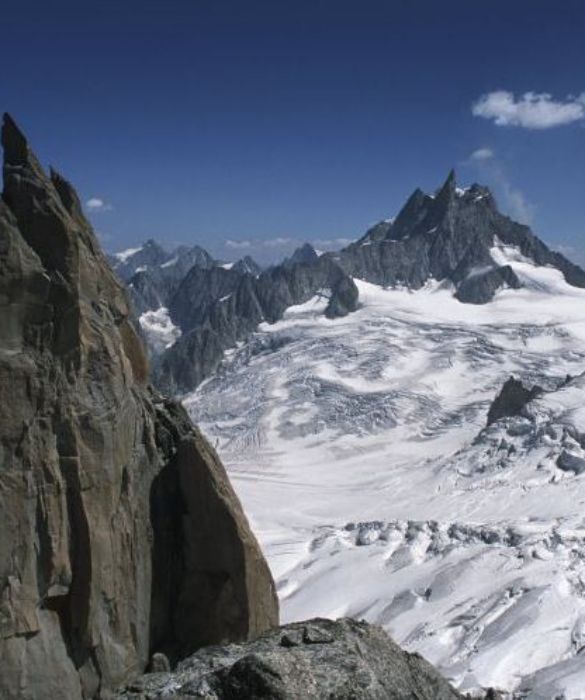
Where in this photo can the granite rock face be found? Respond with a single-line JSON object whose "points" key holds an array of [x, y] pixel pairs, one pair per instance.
{"points": [[120, 535], [215, 308], [314, 660]]}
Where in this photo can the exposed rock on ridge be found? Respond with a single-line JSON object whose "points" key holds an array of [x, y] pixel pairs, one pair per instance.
{"points": [[314, 660], [215, 308], [456, 237], [120, 534]]}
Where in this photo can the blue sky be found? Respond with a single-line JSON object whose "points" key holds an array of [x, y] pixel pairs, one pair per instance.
{"points": [[249, 126]]}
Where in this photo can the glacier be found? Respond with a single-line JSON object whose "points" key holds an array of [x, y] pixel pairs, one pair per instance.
{"points": [[360, 449]]}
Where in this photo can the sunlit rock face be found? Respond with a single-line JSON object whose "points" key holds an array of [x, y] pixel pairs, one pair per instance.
{"points": [[120, 534]]}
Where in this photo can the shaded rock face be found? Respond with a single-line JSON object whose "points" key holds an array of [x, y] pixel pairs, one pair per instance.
{"points": [[511, 400], [215, 308], [448, 236], [248, 265], [306, 254], [120, 534], [152, 285], [148, 255], [318, 659]]}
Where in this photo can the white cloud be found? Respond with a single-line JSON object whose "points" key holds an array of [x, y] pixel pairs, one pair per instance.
{"points": [[279, 242], [493, 171], [531, 110], [331, 242], [518, 206], [95, 204], [238, 245], [271, 250], [286, 243], [482, 154]]}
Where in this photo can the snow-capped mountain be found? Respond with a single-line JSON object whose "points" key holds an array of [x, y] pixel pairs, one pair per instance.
{"points": [[392, 468], [154, 277], [450, 236], [194, 309]]}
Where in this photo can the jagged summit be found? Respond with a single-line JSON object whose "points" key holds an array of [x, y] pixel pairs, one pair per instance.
{"points": [[304, 255], [458, 236]]}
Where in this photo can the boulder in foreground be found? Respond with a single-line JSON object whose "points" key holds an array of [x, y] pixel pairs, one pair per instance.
{"points": [[314, 660]]}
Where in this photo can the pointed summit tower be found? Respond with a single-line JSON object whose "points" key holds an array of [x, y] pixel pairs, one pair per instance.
{"points": [[451, 237], [449, 187]]}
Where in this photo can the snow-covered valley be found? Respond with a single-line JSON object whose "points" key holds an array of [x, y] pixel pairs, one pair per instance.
{"points": [[360, 451]]}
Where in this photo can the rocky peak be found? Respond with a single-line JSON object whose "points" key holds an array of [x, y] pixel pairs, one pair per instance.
{"points": [[305, 255], [120, 534], [448, 191], [450, 237], [247, 265]]}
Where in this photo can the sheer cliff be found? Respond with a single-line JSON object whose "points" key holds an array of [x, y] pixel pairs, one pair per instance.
{"points": [[120, 534]]}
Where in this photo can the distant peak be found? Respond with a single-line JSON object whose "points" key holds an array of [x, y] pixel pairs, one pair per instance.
{"points": [[449, 187], [151, 243], [306, 247]]}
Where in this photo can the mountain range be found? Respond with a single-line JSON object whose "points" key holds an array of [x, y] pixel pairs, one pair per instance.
{"points": [[193, 308], [402, 420], [415, 457]]}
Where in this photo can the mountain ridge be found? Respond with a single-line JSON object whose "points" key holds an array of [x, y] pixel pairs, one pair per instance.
{"points": [[455, 237]]}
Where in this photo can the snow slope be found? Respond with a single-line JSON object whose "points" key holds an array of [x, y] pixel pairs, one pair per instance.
{"points": [[359, 449]]}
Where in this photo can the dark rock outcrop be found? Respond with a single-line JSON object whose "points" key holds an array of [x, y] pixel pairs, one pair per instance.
{"points": [[454, 237], [151, 256], [218, 307], [314, 660], [305, 255], [247, 265], [120, 535], [153, 285], [511, 400]]}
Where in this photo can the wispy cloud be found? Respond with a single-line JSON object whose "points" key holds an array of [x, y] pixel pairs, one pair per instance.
{"points": [[104, 238], [532, 110], [491, 169], [279, 246], [279, 242], [482, 154], [331, 243], [96, 204], [518, 205], [238, 245]]}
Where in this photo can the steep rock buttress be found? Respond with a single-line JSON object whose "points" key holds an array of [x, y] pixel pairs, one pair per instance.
{"points": [[120, 534]]}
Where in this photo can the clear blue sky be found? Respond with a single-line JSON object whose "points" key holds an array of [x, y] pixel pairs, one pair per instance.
{"points": [[210, 121]]}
